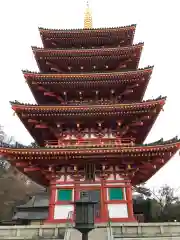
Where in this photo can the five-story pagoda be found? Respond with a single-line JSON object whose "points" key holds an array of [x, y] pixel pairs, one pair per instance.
{"points": [[90, 121]]}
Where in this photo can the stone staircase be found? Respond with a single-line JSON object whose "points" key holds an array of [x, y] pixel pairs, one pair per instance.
{"points": [[126, 231]]}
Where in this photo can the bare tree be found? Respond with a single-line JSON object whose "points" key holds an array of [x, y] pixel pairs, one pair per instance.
{"points": [[2, 134], [4, 138], [142, 190], [166, 199], [164, 205]]}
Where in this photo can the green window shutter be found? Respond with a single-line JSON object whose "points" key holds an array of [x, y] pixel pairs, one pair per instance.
{"points": [[64, 195], [116, 194]]}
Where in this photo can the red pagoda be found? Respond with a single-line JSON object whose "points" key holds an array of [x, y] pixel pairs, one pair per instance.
{"points": [[90, 121]]}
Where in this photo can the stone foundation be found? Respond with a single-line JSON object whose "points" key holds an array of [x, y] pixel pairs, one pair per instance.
{"points": [[126, 231]]}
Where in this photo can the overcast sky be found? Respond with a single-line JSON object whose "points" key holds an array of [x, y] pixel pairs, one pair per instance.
{"points": [[157, 26]]}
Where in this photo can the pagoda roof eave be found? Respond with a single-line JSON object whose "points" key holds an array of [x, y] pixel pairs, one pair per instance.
{"points": [[40, 76], [138, 79], [80, 30], [66, 38], [124, 106], [129, 56], [86, 52], [31, 114], [149, 158], [138, 149]]}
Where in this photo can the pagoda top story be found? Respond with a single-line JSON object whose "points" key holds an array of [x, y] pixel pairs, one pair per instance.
{"points": [[88, 37]]}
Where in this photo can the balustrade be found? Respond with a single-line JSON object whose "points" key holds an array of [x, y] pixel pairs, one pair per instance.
{"points": [[103, 142]]}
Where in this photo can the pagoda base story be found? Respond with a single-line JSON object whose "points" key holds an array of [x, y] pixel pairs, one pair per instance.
{"points": [[114, 197]]}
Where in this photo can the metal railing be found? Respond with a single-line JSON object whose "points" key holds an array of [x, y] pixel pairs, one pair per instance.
{"points": [[69, 226], [109, 229]]}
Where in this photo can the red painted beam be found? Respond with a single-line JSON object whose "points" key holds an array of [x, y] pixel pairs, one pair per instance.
{"points": [[31, 169], [32, 121], [41, 125], [51, 94], [21, 164]]}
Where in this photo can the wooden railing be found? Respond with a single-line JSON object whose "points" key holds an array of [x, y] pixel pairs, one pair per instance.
{"points": [[90, 142]]}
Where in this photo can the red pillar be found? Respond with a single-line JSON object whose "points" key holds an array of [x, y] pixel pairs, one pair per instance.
{"points": [[104, 210], [130, 202], [52, 202]]}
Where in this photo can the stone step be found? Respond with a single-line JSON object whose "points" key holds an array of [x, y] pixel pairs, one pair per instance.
{"points": [[96, 234]]}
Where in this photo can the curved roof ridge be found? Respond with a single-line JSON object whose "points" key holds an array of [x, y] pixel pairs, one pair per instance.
{"points": [[161, 141], [26, 71], [86, 30], [35, 48], [17, 103]]}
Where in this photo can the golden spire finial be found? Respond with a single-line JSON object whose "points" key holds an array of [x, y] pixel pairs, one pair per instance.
{"points": [[87, 17]]}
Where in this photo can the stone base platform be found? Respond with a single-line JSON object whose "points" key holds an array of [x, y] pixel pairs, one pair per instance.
{"points": [[125, 231]]}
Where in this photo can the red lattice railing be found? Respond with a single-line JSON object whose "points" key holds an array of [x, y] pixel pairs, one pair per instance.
{"points": [[90, 142]]}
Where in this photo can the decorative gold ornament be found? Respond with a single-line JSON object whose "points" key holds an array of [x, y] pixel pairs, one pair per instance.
{"points": [[87, 17]]}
